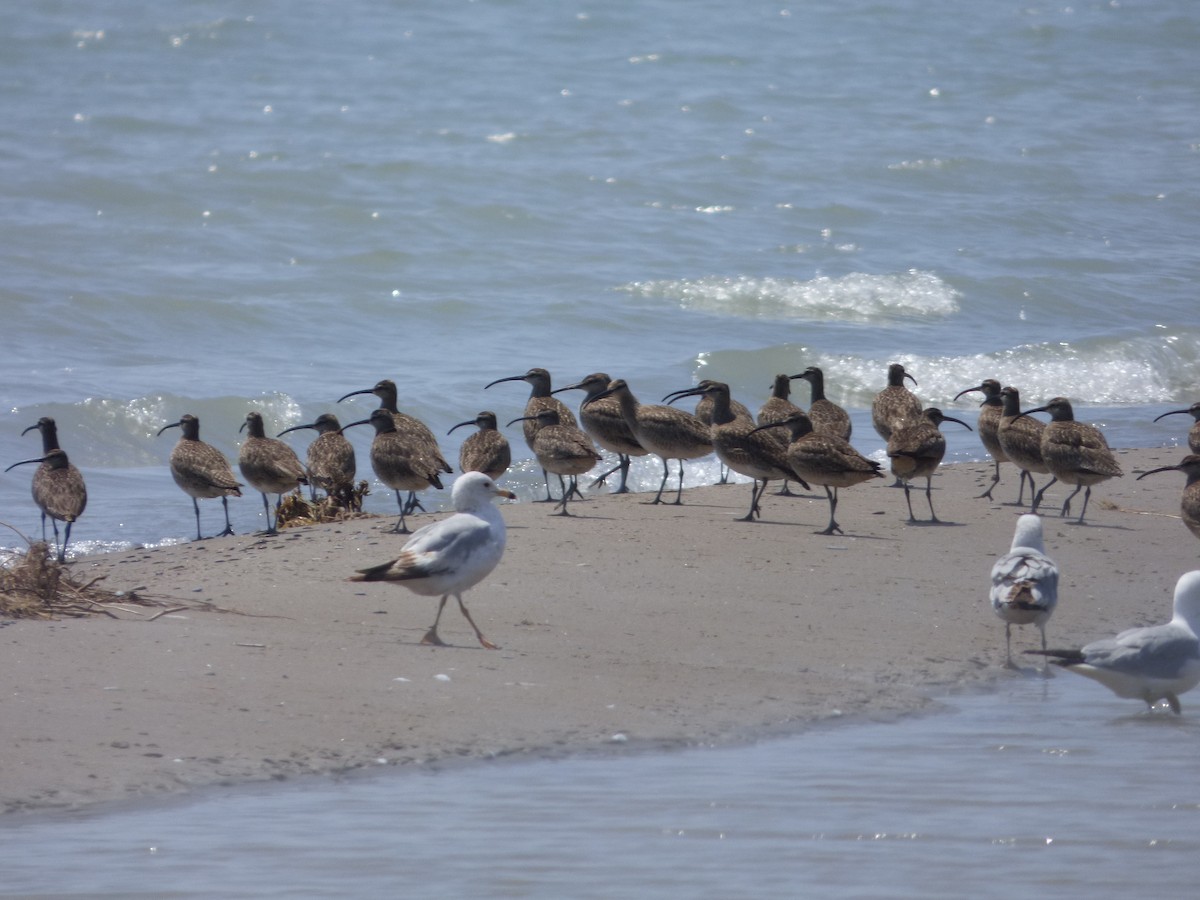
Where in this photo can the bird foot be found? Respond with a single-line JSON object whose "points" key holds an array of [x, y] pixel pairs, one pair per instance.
{"points": [[488, 644], [431, 638]]}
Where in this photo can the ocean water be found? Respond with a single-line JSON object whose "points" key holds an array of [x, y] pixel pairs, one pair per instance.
{"points": [[1045, 787], [211, 210]]}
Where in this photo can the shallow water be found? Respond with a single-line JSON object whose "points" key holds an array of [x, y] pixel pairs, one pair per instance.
{"points": [[210, 212], [1044, 786]]}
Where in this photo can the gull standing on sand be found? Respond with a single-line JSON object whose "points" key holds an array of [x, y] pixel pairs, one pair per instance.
{"points": [[200, 470], [1024, 583], [453, 555], [1150, 664]]}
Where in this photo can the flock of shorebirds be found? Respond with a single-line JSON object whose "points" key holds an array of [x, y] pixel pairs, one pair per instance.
{"points": [[783, 442]]}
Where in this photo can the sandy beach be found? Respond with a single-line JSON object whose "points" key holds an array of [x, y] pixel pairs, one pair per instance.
{"points": [[626, 626]]}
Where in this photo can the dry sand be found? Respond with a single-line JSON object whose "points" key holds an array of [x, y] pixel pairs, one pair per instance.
{"points": [[626, 626]]}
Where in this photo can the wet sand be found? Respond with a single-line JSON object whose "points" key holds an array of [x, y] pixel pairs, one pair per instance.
{"points": [[625, 626]]}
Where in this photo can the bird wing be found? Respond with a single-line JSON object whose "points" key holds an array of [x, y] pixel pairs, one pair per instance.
{"points": [[1161, 651], [435, 549], [1026, 579]]}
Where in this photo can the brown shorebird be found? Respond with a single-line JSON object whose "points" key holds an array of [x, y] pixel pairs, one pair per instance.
{"points": [[269, 465], [400, 462], [539, 399], [776, 408], [1193, 438], [421, 439], [200, 470], [1075, 453], [603, 422], [485, 451], [1020, 440], [895, 405], [990, 413], [452, 555], [826, 416], [740, 445], [563, 450], [49, 431], [1189, 506], [666, 432], [330, 457], [824, 459], [59, 492], [703, 412], [916, 450]]}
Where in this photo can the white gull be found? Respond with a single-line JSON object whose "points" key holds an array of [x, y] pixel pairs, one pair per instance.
{"points": [[451, 555], [1151, 664], [1024, 583]]}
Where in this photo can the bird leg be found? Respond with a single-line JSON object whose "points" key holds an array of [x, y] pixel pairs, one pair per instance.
{"points": [[431, 636], [228, 525], [549, 496], [195, 505], [1037, 500], [271, 527], [755, 493], [679, 493], [995, 481], [833, 501], [401, 528], [479, 634], [907, 498], [1066, 507], [929, 498], [662, 484]]}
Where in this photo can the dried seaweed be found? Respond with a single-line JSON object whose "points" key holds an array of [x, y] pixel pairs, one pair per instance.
{"points": [[344, 503]]}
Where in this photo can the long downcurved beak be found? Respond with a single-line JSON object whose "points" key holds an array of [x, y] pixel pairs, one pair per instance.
{"points": [[520, 419], [509, 378], [968, 391], [31, 427], [296, 428], [679, 395], [1152, 471], [1173, 412], [768, 425], [356, 393], [461, 424], [165, 427], [946, 418], [25, 462], [359, 422]]}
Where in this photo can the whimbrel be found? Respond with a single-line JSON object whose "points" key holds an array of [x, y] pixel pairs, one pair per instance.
{"points": [[826, 416], [740, 445], [1193, 438], [666, 432], [1075, 453], [330, 457], [59, 492], [895, 405], [200, 470], [1149, 664], [1189, 505], [49, 431], [824, 459], [485, 451], [1020, 440], [776, 408], [990, 413], [563, 450], [703, 412], [269, 465], [452, 555], [1024, 583], [539, 398], [423, 446], [916, 449], [603, 421], [400, 462]]}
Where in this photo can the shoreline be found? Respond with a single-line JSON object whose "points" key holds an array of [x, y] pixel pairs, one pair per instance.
{"points": [[625, 628]]}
